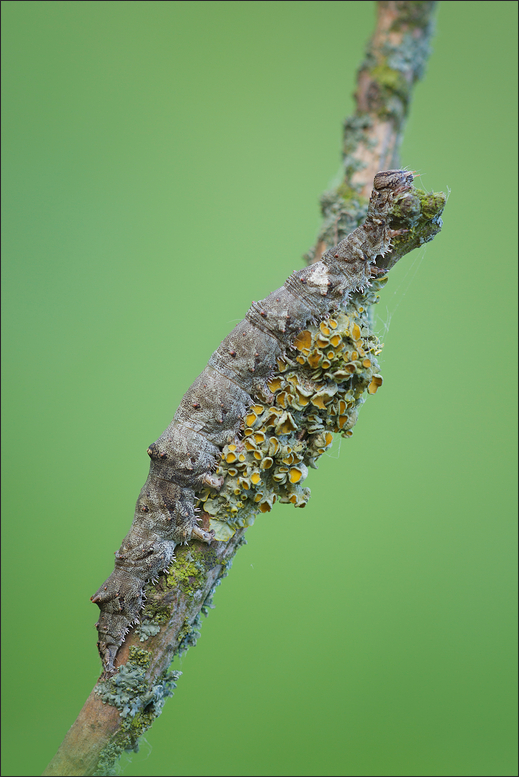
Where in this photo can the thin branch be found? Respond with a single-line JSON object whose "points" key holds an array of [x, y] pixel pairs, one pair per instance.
{"points": [[395, 59], [100, 733], [121, 707]]}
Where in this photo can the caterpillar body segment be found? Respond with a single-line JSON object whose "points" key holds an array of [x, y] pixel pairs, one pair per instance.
{"points": [[266, 405]]}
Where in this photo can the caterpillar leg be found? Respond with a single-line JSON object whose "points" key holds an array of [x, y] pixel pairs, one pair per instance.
{"points": [[120, 600], [121, 597], [163, 509], [200, 534]]}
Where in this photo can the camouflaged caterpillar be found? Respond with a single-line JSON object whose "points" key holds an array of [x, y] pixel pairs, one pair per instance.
{"points": [[294, 371]]}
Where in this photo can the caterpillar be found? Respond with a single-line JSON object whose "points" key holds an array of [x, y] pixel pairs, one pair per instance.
{"points": [[292, 373]]}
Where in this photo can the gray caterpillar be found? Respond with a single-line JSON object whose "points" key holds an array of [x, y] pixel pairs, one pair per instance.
{"points": [[294, 371]]}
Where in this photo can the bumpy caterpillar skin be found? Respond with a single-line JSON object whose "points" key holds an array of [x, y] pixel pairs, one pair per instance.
{"points": [[211, 413]]}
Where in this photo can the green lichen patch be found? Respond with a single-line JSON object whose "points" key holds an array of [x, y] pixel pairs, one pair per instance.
{"points": [[157, 609], [418, 212], [391, 82], [432, 203], [139, 657], [188, 571]]}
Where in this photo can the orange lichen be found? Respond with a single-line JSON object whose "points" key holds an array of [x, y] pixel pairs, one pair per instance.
{"points": [[318, 401], [301, 398], [315, 392], [275, 384], [286, 425], [303, 340], [295, 475], [281, 399], [314, 359], [376, 382]]}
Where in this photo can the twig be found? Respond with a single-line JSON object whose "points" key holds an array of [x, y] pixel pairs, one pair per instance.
{"points": [[120, 708], [100, 733], [395, 59]]}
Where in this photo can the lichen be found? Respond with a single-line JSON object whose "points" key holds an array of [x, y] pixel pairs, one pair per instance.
{"points": [[147, 629], [431, 203], [189, 634], [342, 209], [138, 704], [139, 657], [108, 758], [392, 84], [315, 392], [124, 689], [413, 13], [418, 212], [157, 609], [188, 571]]}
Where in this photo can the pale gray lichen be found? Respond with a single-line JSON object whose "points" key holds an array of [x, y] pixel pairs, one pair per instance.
{"points": [[356, 133], [137, 703], [147, 629], [189, 635], [128, 691], [208, 601]]}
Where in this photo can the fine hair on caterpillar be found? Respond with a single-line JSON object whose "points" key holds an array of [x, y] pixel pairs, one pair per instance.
{"points": [[295, 371]]}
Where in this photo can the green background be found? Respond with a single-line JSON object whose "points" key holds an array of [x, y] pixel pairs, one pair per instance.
{"points": [[162, 165]]}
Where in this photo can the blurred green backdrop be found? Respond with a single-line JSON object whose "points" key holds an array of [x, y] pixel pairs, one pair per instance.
{"points": [[162, 165]]}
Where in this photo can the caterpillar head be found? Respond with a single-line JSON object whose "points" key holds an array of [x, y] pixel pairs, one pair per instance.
{"points": [[392, 180]]}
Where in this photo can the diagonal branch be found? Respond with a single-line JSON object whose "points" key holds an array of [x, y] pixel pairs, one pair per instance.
{"points": [[121, 707], [395, 59], [100, 733]]}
